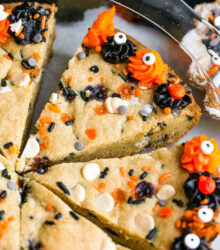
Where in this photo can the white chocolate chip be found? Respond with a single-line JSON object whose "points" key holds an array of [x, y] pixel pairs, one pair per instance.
{"points": [[32, 148], [3, 14], [78, 193], [144, 222], [113, 103], [165, 192], [15, 27], [148, 108], [105, 202], [24, 81], [4, 90], [108, 245], [217, 22], [91, 171], [2, 167], [54, 98]]}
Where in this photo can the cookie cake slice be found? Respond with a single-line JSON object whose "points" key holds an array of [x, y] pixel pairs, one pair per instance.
{"points": [[168, 199], [27, 31], [48, 223], [116, 98], [9, 207]]}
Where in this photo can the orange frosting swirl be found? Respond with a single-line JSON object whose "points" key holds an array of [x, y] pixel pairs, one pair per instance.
{"points": [[4, 26], [194, 160], [100, 30], [148, 75]]}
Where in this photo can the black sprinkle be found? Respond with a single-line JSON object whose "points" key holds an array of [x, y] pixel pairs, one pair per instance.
{"points": [[131, 172], [135, 202], [49, 222], [123, 77], [51, 127], [63, 187], [104, 173], [144, 118], [8, 145], [2, 213], [5, 174], [3, 194], [162, 165], [10, 55], [58, 216], [76, 217], [143, 175], [116, 95], [151, 234], [68, 123], [94, 69], [179, 203]]}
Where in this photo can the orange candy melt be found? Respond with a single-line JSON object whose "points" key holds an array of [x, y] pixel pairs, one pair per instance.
{"points": [[100, 30], [165, 212], [194, 160], [119, 195], [148, 75], [164, 177], [91, 133]]}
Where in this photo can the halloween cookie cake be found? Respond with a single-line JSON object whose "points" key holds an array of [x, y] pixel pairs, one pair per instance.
{"points": [[116, 98], [168, 199], [27, 31], [204, 44]]}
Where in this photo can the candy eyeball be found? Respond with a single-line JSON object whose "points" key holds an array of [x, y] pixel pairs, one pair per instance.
{"points": [[205, 214], [207, 147], [149, 58], [120, 38], [192, 241]]}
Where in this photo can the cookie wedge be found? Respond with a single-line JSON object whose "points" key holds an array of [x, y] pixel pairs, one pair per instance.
{"points": [[102, 110], [26, 39], [47, 222], [137, 199], [9, 207]]}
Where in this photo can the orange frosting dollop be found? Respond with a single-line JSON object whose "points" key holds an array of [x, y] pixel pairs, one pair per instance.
{"points": [[101, 29], [4, 26], [148, 75], [194, 160]]}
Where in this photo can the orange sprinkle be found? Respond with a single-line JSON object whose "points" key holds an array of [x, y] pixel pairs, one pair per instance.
{"points": [[46, 138], [36, 16], [46, 120], [46, 145], [11, 150], [42, 130], [45, 34], [167, 110], [212, 36], [178, 224], [156, 207], [122, 171], [98, 49], [131, 118], [7, 57], [119, 195], [211, 18], [131, 185], [4, 27], [165, 212], [134, 178], [124, 71], [22, 36], [65, 117], [91, 78], [117, 66], [100, 109], [43, 22], [146, 168], [49, 207], [125, 91], [102, 185], [70, 81], [204, 202], [37, 56], [91, 133], [214, 69], [54, 108], [164, 177]]}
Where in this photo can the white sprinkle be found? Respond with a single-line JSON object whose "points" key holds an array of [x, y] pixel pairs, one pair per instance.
{"points": [[3, 14], [2, 167], [25, 81], [105, 202], [32, 148], [4, 90], [166, 192], [134, 101], [144, 222], [91, 171], [54, 98], [15, 27], [78, 193]]}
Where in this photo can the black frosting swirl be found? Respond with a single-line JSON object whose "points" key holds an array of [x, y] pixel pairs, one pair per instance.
{"points": [[163, 99], [195, 196], [117, 53], [31, 25], [178, 244]]}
